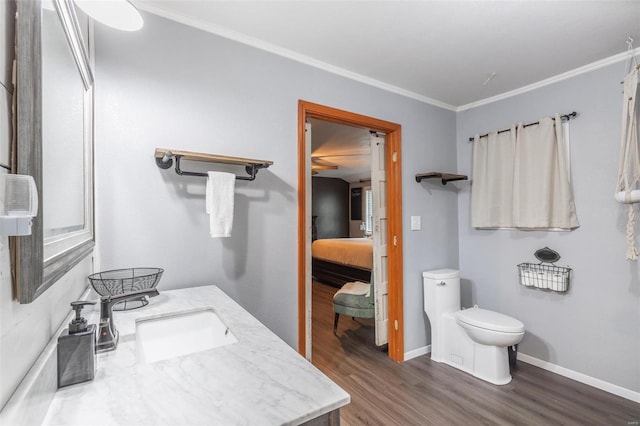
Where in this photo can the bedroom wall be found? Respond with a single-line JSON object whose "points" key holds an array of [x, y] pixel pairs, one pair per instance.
{"points": [[594, 329], [174, 86], [330, 202]]}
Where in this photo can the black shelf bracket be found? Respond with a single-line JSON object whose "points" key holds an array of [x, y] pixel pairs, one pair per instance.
{"points": [[444, 177]]}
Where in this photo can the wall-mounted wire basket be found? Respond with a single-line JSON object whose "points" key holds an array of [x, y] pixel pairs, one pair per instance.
{"points": [[545, 275], [548, 277]]}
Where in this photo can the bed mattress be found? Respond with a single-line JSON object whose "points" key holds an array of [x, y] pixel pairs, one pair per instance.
{"points": [[346, 251]]}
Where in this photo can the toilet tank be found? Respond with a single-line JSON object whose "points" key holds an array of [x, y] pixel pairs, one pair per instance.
{"points": [[441, 292]]}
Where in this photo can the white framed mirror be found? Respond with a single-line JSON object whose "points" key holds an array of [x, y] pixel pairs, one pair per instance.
{"points": [[54, 141]]}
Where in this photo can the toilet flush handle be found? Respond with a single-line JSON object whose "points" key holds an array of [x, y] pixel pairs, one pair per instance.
{"points": [[441, 284]]}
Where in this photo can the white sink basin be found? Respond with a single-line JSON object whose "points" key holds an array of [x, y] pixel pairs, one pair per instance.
{"points": [[179, 334]]}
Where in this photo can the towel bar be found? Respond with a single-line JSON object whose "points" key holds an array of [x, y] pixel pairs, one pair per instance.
{"points": [[165, 159]]}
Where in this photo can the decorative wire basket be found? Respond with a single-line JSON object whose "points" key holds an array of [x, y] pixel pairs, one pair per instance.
{"points": [[122, 281], [550, 277]]}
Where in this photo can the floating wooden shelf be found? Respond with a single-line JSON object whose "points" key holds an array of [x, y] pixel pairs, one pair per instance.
{"points": [[210, 158], [165, 159], [444, 177]]}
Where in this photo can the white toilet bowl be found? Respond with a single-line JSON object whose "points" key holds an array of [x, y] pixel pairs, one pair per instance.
{"points": [[490, 328], [473, 340]]}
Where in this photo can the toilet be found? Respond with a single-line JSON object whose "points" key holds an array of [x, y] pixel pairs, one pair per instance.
{"points": [[473, 340]]}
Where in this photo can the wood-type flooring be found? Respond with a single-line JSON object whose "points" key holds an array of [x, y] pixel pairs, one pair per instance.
{"points": [[422, 392]]}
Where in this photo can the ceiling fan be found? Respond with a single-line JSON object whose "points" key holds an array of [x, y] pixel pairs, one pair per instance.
{"points": [[344, 161], [316, 167]]}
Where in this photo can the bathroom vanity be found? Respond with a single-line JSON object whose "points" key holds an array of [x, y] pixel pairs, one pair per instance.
{"points": [[256, 380]]}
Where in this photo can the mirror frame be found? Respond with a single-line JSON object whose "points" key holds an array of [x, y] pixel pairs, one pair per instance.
{"points": [[32, 274]]}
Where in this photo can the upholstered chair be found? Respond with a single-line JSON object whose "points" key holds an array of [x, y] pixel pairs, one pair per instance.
{"points": [[353, 305]]}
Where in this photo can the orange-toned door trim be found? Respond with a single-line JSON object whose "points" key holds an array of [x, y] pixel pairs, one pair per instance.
{"points": [[394, 210]]}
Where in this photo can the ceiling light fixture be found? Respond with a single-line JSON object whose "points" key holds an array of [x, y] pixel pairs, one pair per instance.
{"points": [[118, 14]]}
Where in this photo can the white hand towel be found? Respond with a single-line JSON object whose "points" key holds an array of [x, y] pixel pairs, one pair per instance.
{"points": [[219, 203]]}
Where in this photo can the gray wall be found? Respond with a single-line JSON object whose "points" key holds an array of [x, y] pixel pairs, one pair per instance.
{"points": [[177, 87], [594, 329], [330, 202], [25, 329]]}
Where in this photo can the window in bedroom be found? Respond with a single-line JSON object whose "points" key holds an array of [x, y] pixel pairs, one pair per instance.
{"points": [[368, 223]]}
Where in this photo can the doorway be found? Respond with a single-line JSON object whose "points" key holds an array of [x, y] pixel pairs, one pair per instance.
{"points": [[307, 110]]}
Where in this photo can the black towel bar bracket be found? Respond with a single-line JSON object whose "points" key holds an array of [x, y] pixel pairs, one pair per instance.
{"points": [[167, 160], [444, 177]]}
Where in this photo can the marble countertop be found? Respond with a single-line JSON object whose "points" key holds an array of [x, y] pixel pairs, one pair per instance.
{"points": [[259, 380]]}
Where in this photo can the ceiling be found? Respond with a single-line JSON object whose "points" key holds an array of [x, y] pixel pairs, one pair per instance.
{"points": [[343, 146], [437, 51], [453, 54]]}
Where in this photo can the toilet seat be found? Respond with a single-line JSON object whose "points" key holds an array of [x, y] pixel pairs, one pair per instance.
{"points": [[489, 320]]}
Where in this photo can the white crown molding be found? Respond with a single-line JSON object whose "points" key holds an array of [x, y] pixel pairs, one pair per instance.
{"points": [[569, 74], [289, 54]]}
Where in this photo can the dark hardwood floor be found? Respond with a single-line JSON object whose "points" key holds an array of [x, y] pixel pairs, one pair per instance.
{"points": [[422, 392]]}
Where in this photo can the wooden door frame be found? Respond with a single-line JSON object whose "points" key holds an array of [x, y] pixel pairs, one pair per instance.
{"points": [[393, 160]]}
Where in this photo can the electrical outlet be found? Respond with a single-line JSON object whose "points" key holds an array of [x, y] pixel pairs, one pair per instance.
{"points": [[416, 224]]}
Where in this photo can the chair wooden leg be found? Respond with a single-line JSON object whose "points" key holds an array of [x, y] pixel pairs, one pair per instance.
{"points": [[335, 324]]}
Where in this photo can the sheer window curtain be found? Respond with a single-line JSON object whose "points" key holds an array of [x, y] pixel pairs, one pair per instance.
{"points": [[521, 179], [492, 189]]}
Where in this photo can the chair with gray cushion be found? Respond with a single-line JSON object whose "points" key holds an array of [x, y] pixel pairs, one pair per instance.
{"points": [[360, 306]]}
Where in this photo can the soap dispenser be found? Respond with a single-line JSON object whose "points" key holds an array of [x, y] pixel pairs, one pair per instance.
{"points": [[77, 349]]}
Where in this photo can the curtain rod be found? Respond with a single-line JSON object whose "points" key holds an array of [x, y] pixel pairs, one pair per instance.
{"points": [[562, 117]]}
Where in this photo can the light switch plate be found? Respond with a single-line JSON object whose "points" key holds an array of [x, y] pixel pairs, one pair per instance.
{"points": [[416, 224]]}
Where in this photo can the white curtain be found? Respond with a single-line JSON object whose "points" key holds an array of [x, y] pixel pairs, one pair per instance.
{"points": [[492, 189], [521, 179]]}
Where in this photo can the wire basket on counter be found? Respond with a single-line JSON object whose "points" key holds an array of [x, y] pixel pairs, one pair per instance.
{"points": [[122, 281]]}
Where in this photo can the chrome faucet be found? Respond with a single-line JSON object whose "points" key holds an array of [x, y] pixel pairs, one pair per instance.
{"points": [[107, 332]]}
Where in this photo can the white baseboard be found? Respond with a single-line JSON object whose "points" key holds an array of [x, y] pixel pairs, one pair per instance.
{"points": [[582, 378], [417, 352], [565, 372]]}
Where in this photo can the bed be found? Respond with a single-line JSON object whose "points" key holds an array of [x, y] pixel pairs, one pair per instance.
{"points": [[336, 261]]}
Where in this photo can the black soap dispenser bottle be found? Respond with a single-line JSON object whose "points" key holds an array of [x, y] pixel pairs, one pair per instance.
{"points": [[77, 349]]}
